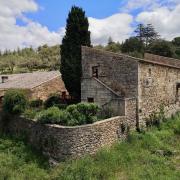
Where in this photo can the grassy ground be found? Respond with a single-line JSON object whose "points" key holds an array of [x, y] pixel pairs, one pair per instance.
{"points": [[151, 155]]}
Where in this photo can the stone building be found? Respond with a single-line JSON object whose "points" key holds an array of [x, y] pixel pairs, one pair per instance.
{"points": [[130, 86], [39, 85]]}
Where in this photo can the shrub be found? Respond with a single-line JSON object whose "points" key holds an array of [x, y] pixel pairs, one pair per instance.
{"points": [[53, 100], [14, 102], [82, 113], [36, 103], [50, 115], [30, 113]]}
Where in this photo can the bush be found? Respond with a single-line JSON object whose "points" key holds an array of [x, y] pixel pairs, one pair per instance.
{"points": [[82, 113], [14, 102], [36, 103], [30, 113], [50, 115], [54, 100]]}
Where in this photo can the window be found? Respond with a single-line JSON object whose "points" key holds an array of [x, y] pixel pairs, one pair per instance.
{"points": [[64, 95], [178, 92], [95, 71], [149, 71], [90, 100]]}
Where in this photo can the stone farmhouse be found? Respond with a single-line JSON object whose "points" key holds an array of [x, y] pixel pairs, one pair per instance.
{"points": [[133, 87], [39, 85]]}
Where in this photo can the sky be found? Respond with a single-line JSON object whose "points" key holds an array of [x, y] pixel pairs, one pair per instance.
{"points": [[25, 23]]}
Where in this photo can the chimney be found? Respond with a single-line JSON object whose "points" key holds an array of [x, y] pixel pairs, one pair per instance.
{"points": [[4, 79]]}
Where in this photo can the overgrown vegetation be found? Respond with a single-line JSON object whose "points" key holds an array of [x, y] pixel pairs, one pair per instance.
{"points": [[79, 114], [154, 154], [14, 101]]}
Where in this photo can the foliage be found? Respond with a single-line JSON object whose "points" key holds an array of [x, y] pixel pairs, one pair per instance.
{"points": [[112, 46], [176, 41], [82, 113], [30, 113], [162, 48], [132, 44], [52, 116], [77, 34], [28, 59], [14, 101], [18, 161], [54, 100], [156, 118], [146, 34], [152, 155], [36, 103]]}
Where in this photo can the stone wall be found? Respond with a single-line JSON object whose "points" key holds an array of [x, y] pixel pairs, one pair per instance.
{"points": [[44, 90], [157, 86], [118, 72], [60, 143]]}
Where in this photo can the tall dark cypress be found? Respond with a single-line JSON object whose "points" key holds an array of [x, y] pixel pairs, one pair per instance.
{"points": [[77, 34]]}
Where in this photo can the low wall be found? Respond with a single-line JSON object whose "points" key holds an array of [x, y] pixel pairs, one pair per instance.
{"points": [[59, 142]]}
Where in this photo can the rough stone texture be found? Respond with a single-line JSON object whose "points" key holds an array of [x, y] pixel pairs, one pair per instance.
{"points": [[43, 91], [157, 86], [60, 143], [118, 72], [151, 82]]}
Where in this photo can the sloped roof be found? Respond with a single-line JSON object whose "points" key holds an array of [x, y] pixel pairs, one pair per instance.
{"points": [[149, 58], [28, 80]]}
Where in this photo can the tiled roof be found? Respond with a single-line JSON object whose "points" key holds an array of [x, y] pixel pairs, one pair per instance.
{"points": [[27, 80]]}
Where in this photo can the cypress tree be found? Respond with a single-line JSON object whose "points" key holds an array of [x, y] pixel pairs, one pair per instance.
{"points": [[77, 34]]}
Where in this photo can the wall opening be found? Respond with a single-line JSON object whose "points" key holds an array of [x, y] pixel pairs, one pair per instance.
{"points": [[95, 72], [177, 92], [90, 100], [64, 95]]}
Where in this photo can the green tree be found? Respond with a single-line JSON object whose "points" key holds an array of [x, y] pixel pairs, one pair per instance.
{"points": [[161, 48], [146, 34], [133, 44], [77, 34], [140, 31], [176, 41]]}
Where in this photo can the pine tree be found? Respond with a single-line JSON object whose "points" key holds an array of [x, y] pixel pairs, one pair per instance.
{"points": [[146, 34], [77, 34], [140, 31]]}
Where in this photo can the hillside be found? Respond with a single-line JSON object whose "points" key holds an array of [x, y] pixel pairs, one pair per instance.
{"points": [[44, 58], [154, 154]]}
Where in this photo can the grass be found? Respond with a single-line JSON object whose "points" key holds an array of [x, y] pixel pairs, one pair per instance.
{"points": [[153, 155]]}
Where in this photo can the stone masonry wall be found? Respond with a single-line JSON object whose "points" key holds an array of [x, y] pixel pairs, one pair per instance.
{"points": [[44, 90], [119, 72], [60, 143], [157, 86]]}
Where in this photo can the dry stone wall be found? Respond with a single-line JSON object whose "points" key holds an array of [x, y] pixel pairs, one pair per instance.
{"points": [[60, 143]]}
